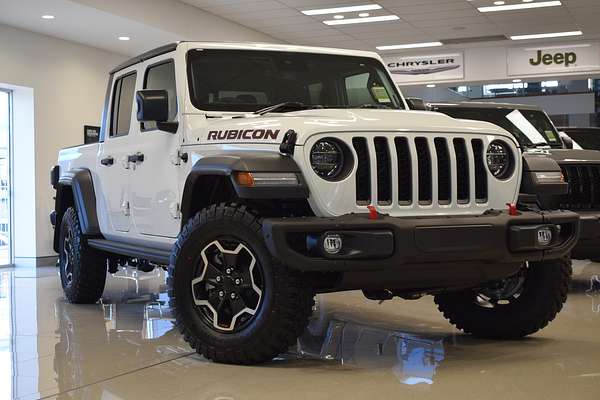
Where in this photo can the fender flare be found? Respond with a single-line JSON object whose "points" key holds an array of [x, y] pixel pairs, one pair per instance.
{"points": [[252, 161], [81, 185]]}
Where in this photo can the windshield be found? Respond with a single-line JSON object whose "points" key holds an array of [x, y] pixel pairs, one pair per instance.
{"points": [[247, 80], [530, 127]]}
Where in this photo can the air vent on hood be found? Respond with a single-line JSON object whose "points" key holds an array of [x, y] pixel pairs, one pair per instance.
{"points": [[475, 39]]}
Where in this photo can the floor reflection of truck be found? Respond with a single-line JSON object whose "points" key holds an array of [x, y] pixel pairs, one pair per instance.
{"points": [[412, 358]]}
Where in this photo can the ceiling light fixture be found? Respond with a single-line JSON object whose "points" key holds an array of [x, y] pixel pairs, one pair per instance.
{"points": [[380, 18], [522, 6], [362, 15], [47, 16], [337, 10], [546, 35], [499, 3], [124, 38], [431, 85], [410, 46], [517, 80], [338, 17]]}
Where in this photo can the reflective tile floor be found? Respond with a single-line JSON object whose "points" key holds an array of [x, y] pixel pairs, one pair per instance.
{"points": [[126, 348]]}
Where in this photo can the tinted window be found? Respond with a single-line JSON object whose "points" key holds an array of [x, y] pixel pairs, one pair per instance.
{"points": [[162, 76], [588, 139], [537, 119], [122, 105], [244, 80]]}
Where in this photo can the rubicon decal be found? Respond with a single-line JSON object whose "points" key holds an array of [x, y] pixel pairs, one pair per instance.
{"points": [[244, 134]]}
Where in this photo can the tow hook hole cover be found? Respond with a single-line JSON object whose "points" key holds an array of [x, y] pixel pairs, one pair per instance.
{"points": [[332, 243]]}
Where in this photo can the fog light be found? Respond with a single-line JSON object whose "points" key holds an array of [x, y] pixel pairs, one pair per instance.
{"points": [[544, 236], [332, 243]]}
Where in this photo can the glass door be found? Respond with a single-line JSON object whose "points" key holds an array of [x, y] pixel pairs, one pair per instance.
{"points": [[5, 184]]}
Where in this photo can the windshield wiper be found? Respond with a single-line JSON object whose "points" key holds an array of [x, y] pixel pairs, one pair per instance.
{"points": [[285, 107], [375, 106], [541, 144]]}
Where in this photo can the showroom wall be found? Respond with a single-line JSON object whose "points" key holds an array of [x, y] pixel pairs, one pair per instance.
{"points": [[66, 84], [498, 63]]}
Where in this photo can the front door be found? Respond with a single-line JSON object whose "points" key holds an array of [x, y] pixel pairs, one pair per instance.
{"points": [[113, 166], [154, 185]]}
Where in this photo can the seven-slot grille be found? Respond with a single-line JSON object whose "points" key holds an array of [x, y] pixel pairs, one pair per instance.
{"points": [[422, 170], [584, 187]]}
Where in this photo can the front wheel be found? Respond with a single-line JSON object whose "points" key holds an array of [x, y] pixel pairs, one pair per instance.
{"points": [[513, 308], [233, 302]]}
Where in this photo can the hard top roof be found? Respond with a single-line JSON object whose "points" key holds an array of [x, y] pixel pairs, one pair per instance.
{"points": [[241, 46], [487, 105]]}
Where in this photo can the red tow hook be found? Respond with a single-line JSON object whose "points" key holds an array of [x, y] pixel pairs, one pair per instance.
{"points": [[373, 214], [512, 209]]}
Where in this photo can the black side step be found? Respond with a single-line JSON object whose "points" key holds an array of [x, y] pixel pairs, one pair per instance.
{"points": [[130, 250]]}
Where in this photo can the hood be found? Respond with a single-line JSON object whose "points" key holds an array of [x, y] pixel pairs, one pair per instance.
{"points": [[271, 128], [573, 156]]}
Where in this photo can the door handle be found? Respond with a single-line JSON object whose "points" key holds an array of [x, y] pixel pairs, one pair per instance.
{"points": [[135, 158], [107, 161]]}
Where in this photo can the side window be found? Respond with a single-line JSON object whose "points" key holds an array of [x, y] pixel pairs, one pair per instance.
{"points": [[122, 105], [162, 77]]}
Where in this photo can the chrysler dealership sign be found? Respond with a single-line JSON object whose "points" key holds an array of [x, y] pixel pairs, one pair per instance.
{"points": [[555, 59], [426, 68]]}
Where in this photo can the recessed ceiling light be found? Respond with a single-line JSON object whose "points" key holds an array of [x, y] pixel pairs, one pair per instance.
{"points": [[380, 18], [431, 85], [517, 80], [362, 15], [522, 6], [337, 10], [338, 17], [47, 16], [499, 3], [124, 38], [527, 1], [546, 35], [409, 46]]}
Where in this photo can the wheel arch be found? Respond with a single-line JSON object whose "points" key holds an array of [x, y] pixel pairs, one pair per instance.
{"points": [[211, 180], [75, 188]]}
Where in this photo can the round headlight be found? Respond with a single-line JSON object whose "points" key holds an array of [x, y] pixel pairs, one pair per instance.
{"points": [[327, 159], [499, 159]]}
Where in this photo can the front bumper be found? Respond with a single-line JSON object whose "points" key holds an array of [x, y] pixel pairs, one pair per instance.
{"points": [[588, 245], [395, 243]]}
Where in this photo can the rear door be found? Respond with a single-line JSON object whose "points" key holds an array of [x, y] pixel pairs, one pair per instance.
{"points": [[113, 166]]}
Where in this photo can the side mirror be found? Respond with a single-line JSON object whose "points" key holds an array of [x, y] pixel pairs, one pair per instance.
{"points": [[415, 103], [153, 106], [566, 139]]}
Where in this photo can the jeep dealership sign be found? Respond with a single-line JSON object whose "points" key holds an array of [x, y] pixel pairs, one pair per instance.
{"points": [[555, 59], [439, 67]]}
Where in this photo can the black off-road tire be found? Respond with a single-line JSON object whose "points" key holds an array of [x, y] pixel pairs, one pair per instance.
{"points": [[88, 265], [284, 308], [544, 293]]}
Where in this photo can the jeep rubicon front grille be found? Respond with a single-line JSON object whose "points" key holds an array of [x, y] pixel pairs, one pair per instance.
{"points": [[584, 187], [445, 171]]}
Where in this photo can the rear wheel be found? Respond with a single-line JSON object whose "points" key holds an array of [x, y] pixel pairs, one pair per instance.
{"points": [[513, 308], [233, 302], [82, 269]]}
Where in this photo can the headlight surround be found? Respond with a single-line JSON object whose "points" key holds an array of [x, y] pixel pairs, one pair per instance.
{"points": [[330, 159], [500, 159]]}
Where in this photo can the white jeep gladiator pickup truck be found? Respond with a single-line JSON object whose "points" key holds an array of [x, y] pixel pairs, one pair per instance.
{"points": [[262, 174]]}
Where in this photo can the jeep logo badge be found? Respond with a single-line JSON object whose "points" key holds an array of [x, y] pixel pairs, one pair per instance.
{"points": [[332, 244], [544, 236], [565, 59]]}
